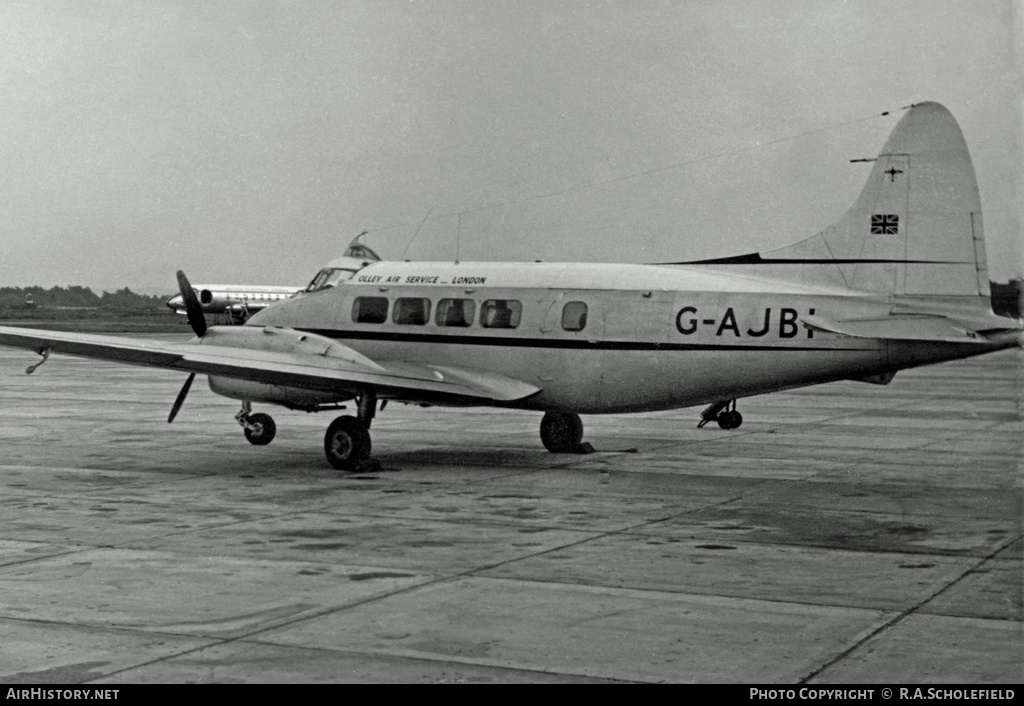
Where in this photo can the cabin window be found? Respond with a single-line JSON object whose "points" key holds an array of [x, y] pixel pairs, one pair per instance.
{"points": [[574, 316], [411, 311], [370, 310], [455, 312], [500, 313]]}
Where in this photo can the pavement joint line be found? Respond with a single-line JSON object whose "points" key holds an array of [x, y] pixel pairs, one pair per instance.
{"points": [[79, 493], [467, 573], [904, 614], [401, 654], [214, 641], [69, 552], [126, 544], [965, 434], [903, 517], [529, 668], [932, 553]]}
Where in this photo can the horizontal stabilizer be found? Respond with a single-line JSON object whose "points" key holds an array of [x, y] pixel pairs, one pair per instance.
{"points": [[913, 327]]}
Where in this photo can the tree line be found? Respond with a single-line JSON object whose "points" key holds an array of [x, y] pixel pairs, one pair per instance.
{"points": [[77, 297]]}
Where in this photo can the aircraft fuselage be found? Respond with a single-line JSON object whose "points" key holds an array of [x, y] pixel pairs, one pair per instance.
{"points": [[599, 338]]}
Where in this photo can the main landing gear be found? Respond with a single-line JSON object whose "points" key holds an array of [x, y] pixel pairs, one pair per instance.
{"points": [[562, 433], [346, 443], [724, 412]]}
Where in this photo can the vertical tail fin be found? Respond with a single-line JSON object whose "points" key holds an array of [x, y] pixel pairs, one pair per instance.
{"points": [[914, 230]]}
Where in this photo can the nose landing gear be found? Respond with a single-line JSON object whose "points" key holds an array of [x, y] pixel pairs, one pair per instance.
{"points": [[259, 428]]}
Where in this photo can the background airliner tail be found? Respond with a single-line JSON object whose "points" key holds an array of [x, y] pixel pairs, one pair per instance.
{"points": [[915, 229]]}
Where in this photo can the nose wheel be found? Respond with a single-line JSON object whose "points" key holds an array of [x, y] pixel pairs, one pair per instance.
{"points": [[724, 412], [259, 428]]}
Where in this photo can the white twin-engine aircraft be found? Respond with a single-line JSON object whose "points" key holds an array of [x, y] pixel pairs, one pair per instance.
{"points": [[899, 281]]}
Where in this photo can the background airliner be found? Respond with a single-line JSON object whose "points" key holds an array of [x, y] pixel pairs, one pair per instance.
{"points": [[237, 300], [899, 281]]}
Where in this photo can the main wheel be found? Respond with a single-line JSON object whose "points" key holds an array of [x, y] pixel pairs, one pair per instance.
{"points": [[262, 431], [561, 432], [347, 444]]}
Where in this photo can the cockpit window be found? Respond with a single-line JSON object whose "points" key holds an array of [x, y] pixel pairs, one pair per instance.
{"points": [[329, 277]]}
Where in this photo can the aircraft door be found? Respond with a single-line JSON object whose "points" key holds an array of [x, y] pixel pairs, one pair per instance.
{"points": [[636, 323], [552, 311], [570, 361], [639, 317], [654, 314]]}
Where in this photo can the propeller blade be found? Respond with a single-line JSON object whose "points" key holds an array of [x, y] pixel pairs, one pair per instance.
{"points": [[181, 397], [192, 308]]}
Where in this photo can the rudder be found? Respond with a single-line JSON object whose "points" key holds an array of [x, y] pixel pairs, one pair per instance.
{"points": [[916, 227]]}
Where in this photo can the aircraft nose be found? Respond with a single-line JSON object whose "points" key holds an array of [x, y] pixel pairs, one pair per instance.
{"points": [[175, 303]]}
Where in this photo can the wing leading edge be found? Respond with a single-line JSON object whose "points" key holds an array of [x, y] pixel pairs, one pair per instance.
{"points": [[281, 357]]}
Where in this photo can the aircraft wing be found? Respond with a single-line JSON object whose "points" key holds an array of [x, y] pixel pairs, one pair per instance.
{"points": [[909, 327], [282, 357]]}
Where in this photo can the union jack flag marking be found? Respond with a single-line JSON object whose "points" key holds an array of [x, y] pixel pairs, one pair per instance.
{"points": [[885, 224]]}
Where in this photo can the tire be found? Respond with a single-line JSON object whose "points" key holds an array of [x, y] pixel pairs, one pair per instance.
{"points": [[730, 420], [561, 432], [347, 444], [265, 429]]}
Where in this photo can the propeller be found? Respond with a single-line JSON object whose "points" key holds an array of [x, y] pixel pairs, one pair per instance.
{"points": [[198, 323], [181, 397], [192, 308]]}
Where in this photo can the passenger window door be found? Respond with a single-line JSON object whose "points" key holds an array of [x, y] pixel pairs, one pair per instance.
{"points": [[574, 316]]}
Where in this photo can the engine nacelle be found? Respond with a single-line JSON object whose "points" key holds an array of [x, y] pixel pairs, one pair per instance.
{"points": [[214, 302], [288, 341], [292, 397]]}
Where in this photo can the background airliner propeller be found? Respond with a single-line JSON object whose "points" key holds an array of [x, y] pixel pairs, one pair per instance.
{"points": [[198, 323]]}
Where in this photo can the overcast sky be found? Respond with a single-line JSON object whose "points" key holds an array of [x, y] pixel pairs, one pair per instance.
{"points": [[248, 142]]}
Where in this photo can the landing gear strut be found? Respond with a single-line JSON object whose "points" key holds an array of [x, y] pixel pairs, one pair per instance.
{"points": [[724, 413], [347, 441], [259, 428], [562, 433]]}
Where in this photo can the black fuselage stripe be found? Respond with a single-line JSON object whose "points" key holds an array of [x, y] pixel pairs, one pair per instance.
{"points": [[517, 342]]}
